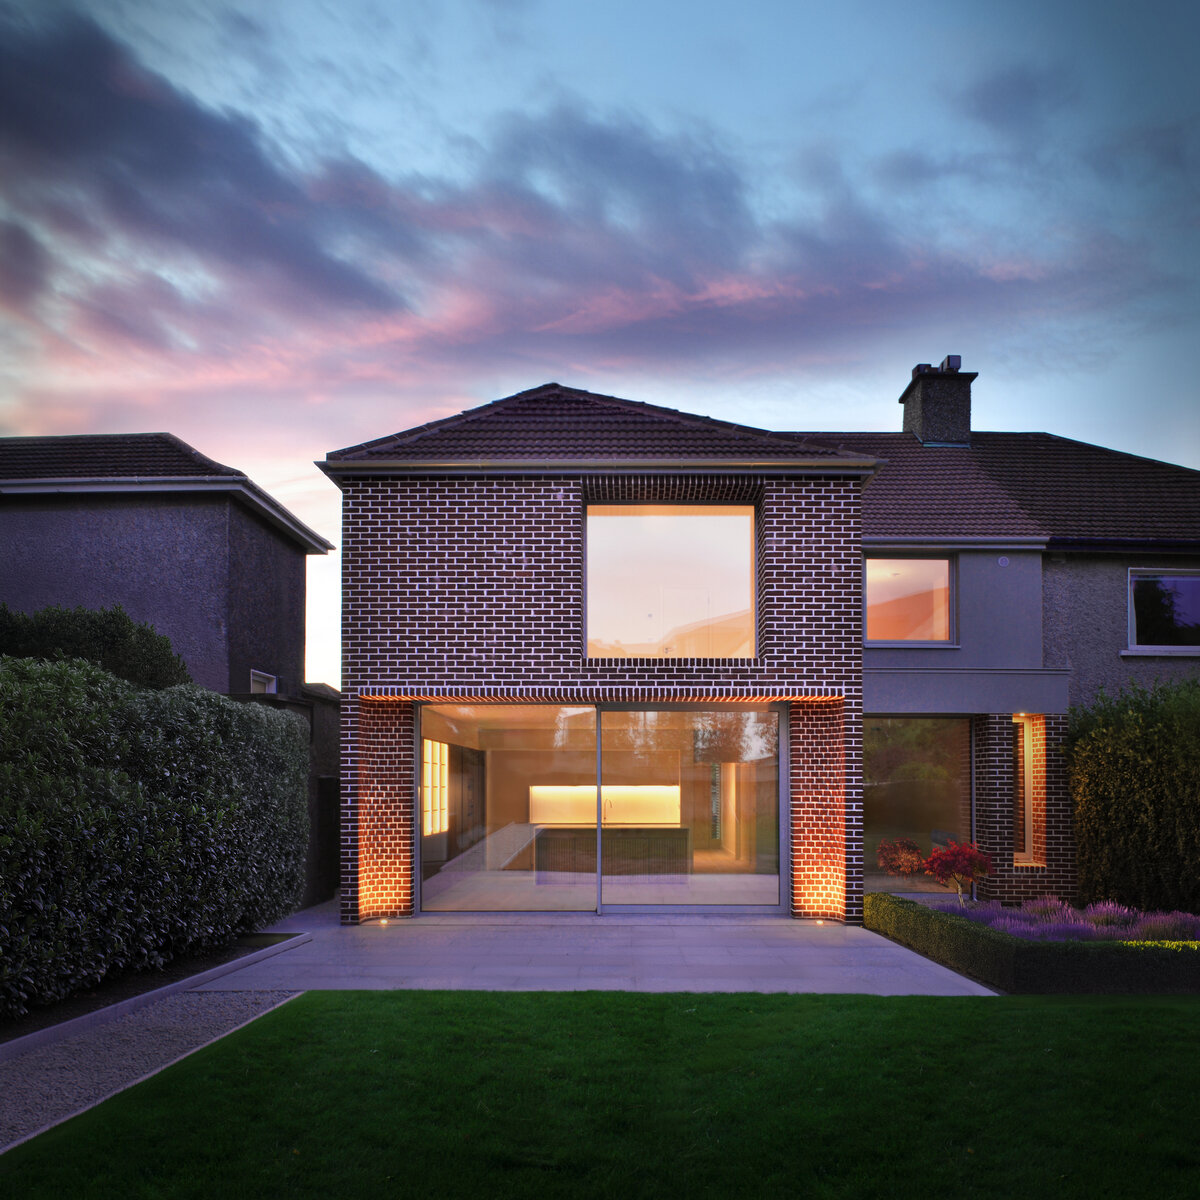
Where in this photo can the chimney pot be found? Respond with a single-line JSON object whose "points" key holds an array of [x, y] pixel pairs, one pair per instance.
{"points": [[951, 362], [922, 369]]}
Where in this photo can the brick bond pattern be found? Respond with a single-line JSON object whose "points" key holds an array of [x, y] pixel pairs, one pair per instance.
{"points": [[474, 589], [1053, 868]]}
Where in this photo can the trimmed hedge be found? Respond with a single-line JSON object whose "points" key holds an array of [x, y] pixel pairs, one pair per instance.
{"points": [[1134, 763], [1014, 964], [136, 825], [108, 637]]}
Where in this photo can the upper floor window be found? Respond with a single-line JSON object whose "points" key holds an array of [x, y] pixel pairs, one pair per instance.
{"points": [[1164, 610], [670, 581], [908, 599]]}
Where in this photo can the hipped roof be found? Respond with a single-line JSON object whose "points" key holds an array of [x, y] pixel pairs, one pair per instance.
{"points": [[136, 462]]}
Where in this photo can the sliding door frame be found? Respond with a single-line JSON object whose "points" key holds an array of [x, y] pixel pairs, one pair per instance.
{"points": [[783, 810]]}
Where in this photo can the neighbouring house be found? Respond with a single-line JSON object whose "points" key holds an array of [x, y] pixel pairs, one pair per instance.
{"points": [[190, 546], [605, 656]]}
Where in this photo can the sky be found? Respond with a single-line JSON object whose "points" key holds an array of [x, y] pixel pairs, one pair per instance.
{"points": [[278, 229]]}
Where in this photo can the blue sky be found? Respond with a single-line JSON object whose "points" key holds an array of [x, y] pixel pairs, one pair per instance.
{"points": [[279, 229]]}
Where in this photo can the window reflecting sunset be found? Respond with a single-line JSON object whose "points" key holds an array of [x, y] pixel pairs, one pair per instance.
{"points": [[908, 599], [670, 581]]}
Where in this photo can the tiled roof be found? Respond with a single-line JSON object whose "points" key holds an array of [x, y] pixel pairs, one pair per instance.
{"points": [[1026, 486], [559, 423], [1023, 485], [105, 456], [88, 463]]}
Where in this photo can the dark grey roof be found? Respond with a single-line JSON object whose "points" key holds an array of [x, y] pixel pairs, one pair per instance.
{"points": [[1024, 485], [1030, 487], [105, 456], [90, 463], [557, 423]]}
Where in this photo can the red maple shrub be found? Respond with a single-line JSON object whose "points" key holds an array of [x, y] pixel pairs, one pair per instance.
{"points": [[958, 864]]}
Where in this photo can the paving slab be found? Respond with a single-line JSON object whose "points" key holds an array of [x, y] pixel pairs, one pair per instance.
{"points": [[573, 951]]}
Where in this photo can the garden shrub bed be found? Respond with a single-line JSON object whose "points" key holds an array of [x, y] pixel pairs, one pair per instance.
{"points": [[1014, 964]]}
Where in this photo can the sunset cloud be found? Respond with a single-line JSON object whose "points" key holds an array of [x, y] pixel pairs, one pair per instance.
{"points": [[145, 229]]}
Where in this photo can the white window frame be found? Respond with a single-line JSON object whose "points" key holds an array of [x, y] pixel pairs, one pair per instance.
{"points": [[1134, 647], [268, 685]]}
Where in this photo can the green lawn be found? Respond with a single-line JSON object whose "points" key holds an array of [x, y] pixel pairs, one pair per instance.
{"points": [[429, 1094]]}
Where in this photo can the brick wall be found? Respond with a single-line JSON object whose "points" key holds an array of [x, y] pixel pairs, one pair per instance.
{"points": [[1053, 867], [461, 589], [825, 810]]}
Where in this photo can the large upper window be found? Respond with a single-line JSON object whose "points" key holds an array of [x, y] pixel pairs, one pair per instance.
{"points": [[670, 581], [908, 599], [1164, 610]]}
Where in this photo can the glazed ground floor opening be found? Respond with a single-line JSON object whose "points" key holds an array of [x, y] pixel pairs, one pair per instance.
{"points": [[996, 779], [469, 804], [552, 807], [558, 803]]}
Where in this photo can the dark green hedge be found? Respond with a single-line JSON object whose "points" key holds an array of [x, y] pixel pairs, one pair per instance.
{"points": [[1134, 762], [108, 637], [1014, 964], [137, 825]]}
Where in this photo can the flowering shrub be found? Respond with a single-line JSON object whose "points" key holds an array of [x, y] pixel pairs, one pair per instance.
{"points": [[901, 857], [1050, 919], [953, 864], [1108, 912], [958, 864], [1165, 927]]}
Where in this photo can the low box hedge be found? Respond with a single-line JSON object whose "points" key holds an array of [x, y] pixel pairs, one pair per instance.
{"points": [[1013, 964]]}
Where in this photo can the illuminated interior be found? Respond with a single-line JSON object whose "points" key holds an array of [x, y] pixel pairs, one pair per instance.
{"points": [[690, 802], [670, 581], [647, 805], [435, 786], [908, 599]]}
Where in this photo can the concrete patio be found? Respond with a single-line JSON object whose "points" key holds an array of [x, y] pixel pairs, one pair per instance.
{"points": [[583, 951]]}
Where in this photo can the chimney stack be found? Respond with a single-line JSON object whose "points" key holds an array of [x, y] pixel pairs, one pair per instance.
{"points": [[937, 403]]}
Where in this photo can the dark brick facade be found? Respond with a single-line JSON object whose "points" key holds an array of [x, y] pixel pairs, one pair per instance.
{"points": [[473, 588], [1053, 867]]}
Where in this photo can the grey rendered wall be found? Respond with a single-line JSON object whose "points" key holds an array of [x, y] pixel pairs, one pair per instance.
{"points": [[266, 604], [1085, 618], [994, 662], [163, 559], [998, 619]]}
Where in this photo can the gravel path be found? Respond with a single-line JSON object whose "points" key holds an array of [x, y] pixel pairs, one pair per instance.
{"points": [[50, 1083]]}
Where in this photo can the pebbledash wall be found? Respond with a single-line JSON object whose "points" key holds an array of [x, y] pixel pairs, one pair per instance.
{"points": [[472, 589]]}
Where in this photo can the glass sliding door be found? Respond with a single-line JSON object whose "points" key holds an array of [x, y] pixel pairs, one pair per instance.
{"points": [[690, 807], [507, 808], [686, 803]]}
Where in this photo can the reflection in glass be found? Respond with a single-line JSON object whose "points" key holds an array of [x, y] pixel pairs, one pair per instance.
{"points": [[721, 768], [486, 855], [1166, 610], [916, 784], [670, 581], [908, 599]]}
